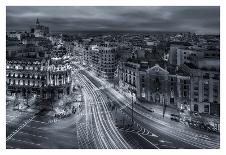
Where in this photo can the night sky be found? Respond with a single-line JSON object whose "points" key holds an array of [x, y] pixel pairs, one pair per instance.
{"points": [[202, 20]]}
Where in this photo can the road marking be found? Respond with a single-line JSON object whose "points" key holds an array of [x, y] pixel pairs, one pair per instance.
{"points": [[23, 141], [21, 127], [34, 127], [154, 135], [39, 122], [163, 141], [148, 141], [33, 135]]}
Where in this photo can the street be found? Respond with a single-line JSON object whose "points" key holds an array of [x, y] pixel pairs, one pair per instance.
{"points": [[97, 126]]}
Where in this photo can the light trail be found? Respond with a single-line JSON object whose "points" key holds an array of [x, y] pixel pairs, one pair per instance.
{"points": [[88, 94], [100, 122], [101, 96], [108, 134]]}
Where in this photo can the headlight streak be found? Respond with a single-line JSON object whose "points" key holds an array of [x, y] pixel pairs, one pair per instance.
{"points": [[104, 125], [100, 119], [99, 137], [108, 115]]}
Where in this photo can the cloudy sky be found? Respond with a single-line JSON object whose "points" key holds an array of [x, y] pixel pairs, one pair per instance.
{"points": [[168, 18]]}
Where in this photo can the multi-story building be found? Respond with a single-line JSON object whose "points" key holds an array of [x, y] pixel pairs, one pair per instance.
{"points": [[205, 86], [155, 84], [59, 51], [104, 59], [36, 76], [39, 30], [180, 54], [17, 35], [86, 56], [31, 71]]}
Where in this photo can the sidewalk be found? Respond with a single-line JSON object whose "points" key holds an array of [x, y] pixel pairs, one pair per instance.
{"points": [[158, 109]]}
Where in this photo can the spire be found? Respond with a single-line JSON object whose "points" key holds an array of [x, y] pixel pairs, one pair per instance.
{"points": [[37, 22]]}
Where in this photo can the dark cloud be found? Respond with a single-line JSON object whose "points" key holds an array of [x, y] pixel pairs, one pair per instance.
{"points": [[167, 18]]}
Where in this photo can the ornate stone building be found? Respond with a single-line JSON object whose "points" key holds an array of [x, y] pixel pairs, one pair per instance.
{"points": [[26, 77], [39, 30], [33, 67], [154, 84]]}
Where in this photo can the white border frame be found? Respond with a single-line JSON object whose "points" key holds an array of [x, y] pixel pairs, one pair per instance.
{"points": [[4, 3]]}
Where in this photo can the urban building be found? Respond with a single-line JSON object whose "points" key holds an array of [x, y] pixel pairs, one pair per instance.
{"points": [[34, 67], [104, 59], [181, 53], [39, 30], [155, 84], [27, 77], [205, 86]]}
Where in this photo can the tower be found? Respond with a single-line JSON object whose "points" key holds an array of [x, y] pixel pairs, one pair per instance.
{"points": [[37, 22]]}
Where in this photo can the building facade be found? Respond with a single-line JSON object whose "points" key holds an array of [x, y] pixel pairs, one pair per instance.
{"points": [[155, 84], [205, 86], [26, 77], [39, 30], [35, 68], [104, 60]]}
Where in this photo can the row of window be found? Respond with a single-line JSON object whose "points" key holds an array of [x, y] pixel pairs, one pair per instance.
{"points": [[32, 83], [130, 72], [206, 108], [25, 83], [31, 76], [18, 67], [207, 76], [107, 70]]}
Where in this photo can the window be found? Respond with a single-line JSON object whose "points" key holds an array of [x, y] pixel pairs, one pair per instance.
{"points": [[206, 108], [206, 76], [196, 107], [185, 94], [196, 94], [142, 79]]}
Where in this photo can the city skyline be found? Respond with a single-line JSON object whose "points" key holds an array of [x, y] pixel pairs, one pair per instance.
{"points": [[87, 18]]}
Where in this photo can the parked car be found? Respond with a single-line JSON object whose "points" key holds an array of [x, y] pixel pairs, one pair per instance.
{"points": [[150, 110], [175, 117]]}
